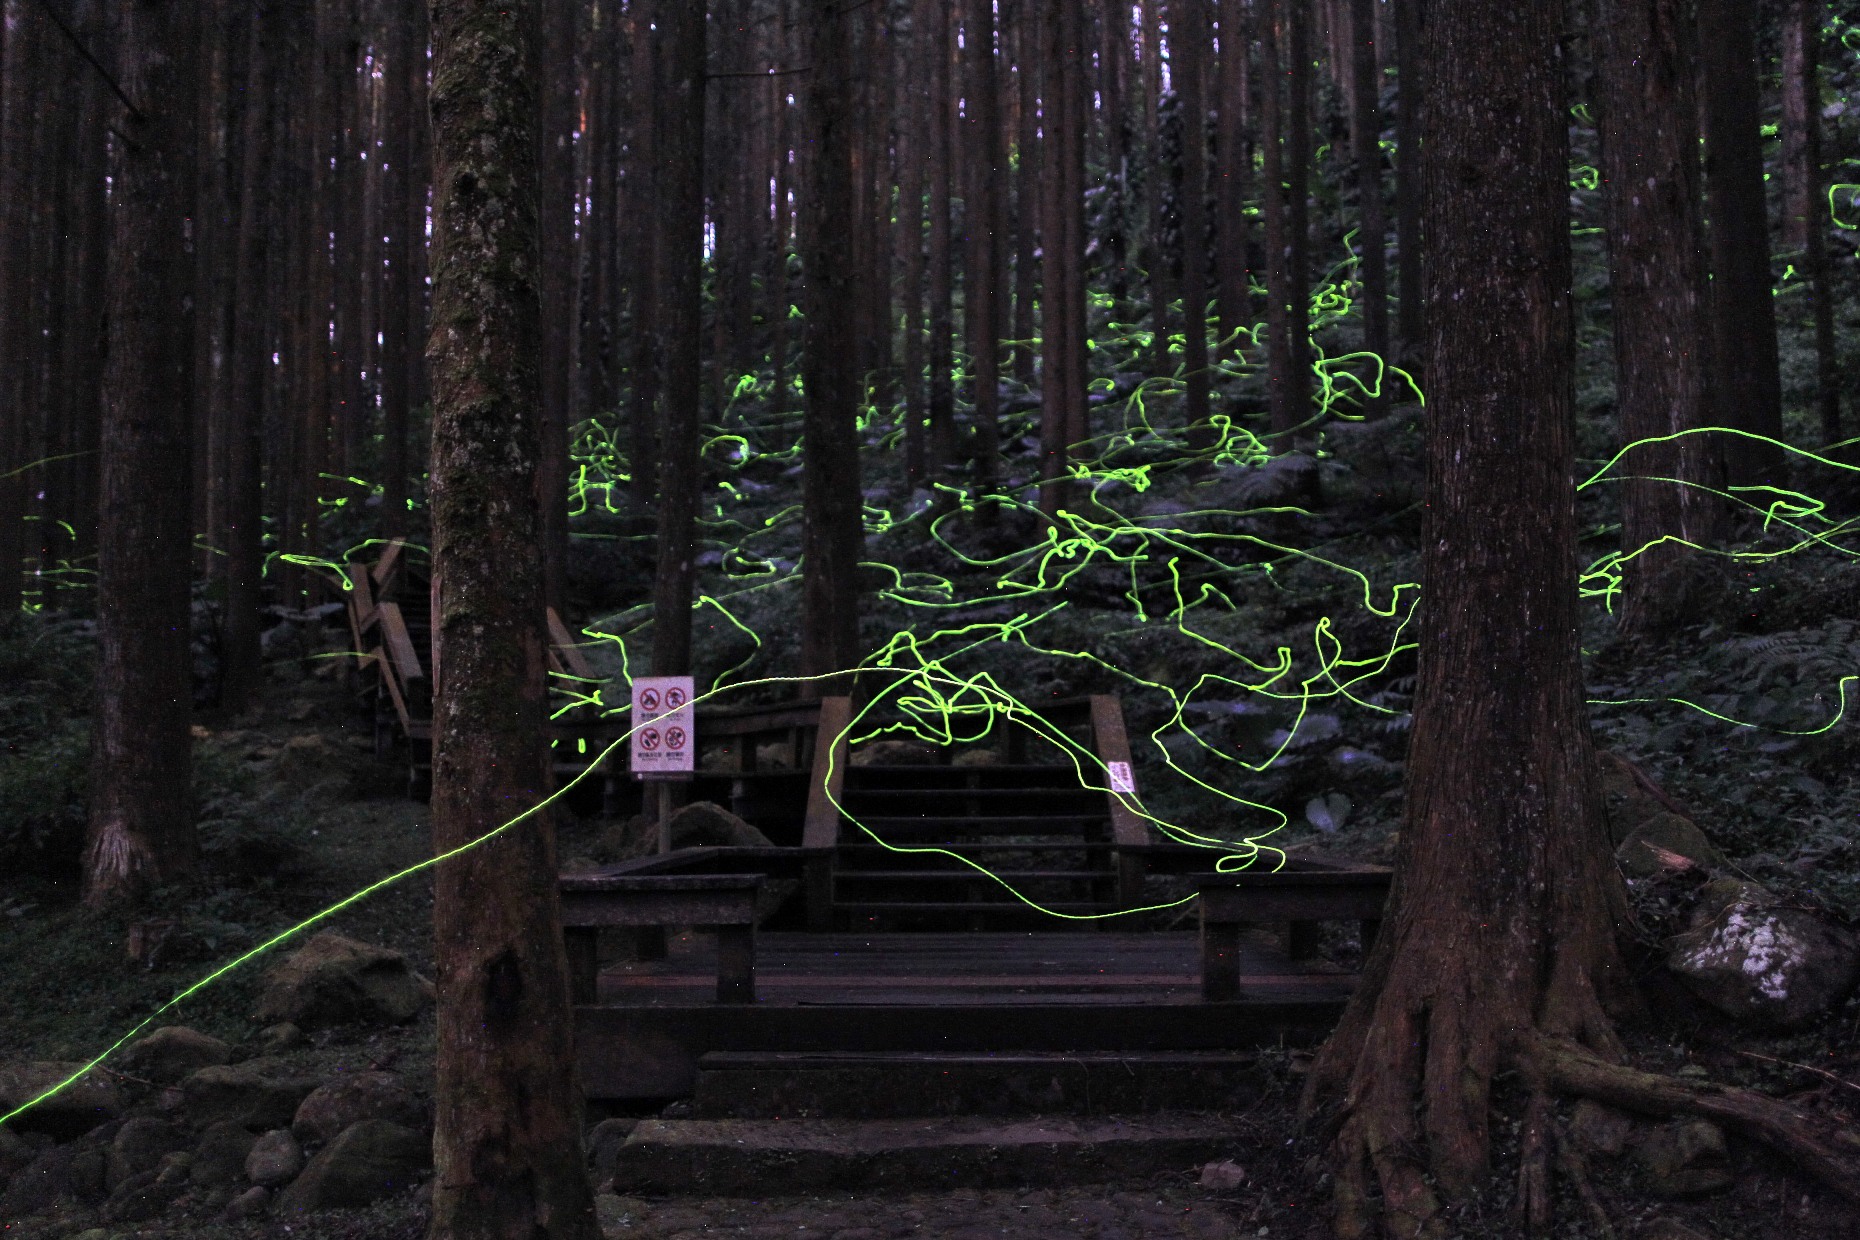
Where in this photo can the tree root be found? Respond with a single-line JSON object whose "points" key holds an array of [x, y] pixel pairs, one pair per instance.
{"points": [[1826, 1151]]}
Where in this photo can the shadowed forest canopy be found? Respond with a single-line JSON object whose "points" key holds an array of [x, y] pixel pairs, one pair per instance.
{"points": [[1388, 449]]}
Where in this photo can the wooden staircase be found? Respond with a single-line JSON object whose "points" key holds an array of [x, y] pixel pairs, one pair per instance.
{"points": [[389, 608], [948, 846]]}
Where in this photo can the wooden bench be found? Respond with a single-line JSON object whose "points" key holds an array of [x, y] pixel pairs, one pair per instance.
{"points": [[725, 903], [1301, 897]]}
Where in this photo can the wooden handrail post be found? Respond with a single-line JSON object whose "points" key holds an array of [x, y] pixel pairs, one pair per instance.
{"points": [[1112, 745], [822, 827]]}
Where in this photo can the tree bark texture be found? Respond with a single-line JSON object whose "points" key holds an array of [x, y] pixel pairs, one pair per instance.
{"points": [[1188, 28], [555, 157], [1746, 378], [141, 828], [1410, 105], [1366, 150], [1234, 173], [982, 218], [22, 66], [832, 529], [1657, 288], [938, 53], [247, 371], [507, 1137], [1808, 185], [1062, 235], [679, 178], [1502, 917]]}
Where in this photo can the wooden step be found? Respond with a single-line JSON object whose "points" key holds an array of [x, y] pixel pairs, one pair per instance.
{"points": [[918, 876], [899, 1084], [861, 907], [991, 824], [965, 847]]}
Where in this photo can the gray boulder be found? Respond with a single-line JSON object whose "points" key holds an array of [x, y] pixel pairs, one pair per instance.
{"points": [[354, 1097], [252, 1203], [275, 1160], [142, 1197], [258, 1094], [1769, 966], [40, 1184], [366, 1162], [138, 1146], [219, 1156], [173, 1052], [72, 1110], [1686, 1158], [333, 980], [1643, 853], [894, 751], [703, 823]]}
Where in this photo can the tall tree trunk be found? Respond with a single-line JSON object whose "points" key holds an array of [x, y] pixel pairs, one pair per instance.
{"points": [[912, 133], [1155, 249], [1288, 383], [981, 217], [22, 67], [1234, 173], [1062, 237], [938, 53], [1027, 189], [1113, 94], [398, 179], [1366, 148], [507, 1129], [248, 369], [679, 284], [1410, 107], [1188, 30], [832, 534], [141, 814], [1746, 379], [1657, 288], [642, 187], [1297, 211], [1502, 916], [1808, 210], [556, 235], [72, 489]]}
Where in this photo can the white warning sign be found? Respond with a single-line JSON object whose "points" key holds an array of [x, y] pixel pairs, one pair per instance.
{"points": [[1120, 778], [663, 736]]}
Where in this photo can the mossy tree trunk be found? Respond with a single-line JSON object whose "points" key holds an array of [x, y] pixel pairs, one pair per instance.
{"points": [[1501, 925], [507, 1139], [141, 814]]}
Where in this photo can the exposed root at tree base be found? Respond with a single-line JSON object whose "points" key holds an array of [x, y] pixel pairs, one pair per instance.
{"points": [[1826, 1151], [1368, 1141]]}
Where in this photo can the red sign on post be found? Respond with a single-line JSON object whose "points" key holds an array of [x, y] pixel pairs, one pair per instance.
{"points": [[664, 736]]}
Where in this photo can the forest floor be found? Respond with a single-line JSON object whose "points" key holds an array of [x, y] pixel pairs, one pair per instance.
{"points": [[1731, 714]]}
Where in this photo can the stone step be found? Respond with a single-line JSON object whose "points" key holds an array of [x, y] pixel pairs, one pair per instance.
{"points": [[880, 1085], [745, 1157]]}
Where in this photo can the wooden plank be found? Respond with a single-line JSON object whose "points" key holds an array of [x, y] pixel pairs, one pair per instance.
{"points": [[653, 1052], [820, 828], [747, 721], [1221, 902], [659, 908], [565, 648], [387, 564], [399, 645], [1112, 744], [361, 603]]}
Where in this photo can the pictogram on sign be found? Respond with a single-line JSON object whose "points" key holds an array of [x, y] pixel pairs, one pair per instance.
{"points": [[664, 737]]}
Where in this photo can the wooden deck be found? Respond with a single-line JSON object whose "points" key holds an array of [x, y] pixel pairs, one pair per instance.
{"points": [[953, 992]]}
